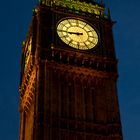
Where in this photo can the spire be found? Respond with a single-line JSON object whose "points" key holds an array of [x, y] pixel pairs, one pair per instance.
{"points": [[102, 2], [109, 14]]}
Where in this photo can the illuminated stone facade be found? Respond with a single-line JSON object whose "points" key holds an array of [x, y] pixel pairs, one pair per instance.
{"points": [[67, 93]]}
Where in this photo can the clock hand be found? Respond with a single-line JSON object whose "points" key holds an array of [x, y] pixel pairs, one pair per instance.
{"points": [[71, 32], [76, 33]]}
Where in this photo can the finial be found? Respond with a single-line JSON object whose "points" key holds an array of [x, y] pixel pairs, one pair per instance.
{"points": [[41, 2], [109, 15], [102, 2]]}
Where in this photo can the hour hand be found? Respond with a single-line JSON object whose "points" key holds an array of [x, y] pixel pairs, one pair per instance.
{"points": [[76, 33]]}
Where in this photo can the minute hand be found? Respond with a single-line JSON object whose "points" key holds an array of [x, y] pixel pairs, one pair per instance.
{"points": [[76, 33]]}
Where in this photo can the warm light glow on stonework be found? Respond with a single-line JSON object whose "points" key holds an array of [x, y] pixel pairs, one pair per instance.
{"points": [[29, 91], [28, 52], [68, 91], [77, 5]]}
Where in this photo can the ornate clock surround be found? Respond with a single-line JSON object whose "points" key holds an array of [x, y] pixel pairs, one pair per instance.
{"points": [[93, 22]]}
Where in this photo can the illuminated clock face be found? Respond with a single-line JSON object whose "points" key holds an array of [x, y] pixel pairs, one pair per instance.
{"points": [[77, 34]]}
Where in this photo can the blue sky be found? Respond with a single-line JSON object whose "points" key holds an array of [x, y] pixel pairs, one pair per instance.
{"points": [[15, 17]]}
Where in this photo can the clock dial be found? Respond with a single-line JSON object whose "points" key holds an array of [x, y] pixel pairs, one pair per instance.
{"points": [[77, 34]]}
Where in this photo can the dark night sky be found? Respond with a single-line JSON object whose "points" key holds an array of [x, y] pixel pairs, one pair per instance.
{"points": [[15, 17]]}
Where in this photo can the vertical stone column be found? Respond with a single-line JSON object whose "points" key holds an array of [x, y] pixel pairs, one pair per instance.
{"points": [[39, 110]]}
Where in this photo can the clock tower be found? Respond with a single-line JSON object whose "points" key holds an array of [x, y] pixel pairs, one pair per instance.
{"points": [[69, 74]]}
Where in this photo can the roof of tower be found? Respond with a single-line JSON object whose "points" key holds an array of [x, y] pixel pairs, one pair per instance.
{"points": [[90, 6]]}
